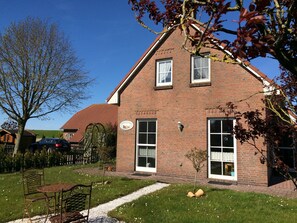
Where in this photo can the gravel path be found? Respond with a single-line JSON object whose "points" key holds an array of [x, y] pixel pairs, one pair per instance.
{"points": [[99, 214], [102, 210]]}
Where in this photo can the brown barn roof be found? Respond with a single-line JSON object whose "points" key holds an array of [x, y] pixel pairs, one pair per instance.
{"points": [[96, 113]]}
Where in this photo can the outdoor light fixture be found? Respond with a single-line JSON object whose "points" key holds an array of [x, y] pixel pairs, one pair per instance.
{"points": [[180, 126]]}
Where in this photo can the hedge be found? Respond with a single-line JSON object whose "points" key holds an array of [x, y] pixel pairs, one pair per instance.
{"points": [[38, 159]]}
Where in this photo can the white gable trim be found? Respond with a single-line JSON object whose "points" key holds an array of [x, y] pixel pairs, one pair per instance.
{"points": [[267, 88], [114, 99]]}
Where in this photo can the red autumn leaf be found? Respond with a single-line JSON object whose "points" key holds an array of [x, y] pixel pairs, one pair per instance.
{"points": [[243, 14], [259, 19]]}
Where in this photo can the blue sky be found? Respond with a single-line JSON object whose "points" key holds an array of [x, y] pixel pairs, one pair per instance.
{"points": [[104, 35]]}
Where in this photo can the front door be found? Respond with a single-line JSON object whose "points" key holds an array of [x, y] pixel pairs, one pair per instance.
{"points": [[221, 149], [146, 142]]}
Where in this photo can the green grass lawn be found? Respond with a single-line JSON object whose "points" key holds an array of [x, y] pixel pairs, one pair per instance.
{"points": [[48, 133], [172, 205], [167, 205], [11, 189]]}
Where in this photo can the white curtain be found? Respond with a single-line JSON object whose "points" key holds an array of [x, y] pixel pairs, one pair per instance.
{"points": [[200, 68], [197, 73], [204, 65], [164, 72]]}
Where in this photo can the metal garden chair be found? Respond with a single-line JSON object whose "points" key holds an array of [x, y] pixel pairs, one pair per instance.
{"points": [[74, 205], [33, 179]]}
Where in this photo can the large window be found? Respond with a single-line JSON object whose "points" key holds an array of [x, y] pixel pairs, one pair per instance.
{"points": [[164, 73], [222, 149], [146, 145], [200, 71]]}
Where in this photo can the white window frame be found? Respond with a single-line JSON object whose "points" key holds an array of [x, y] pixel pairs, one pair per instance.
{"points": [[147, 168], [192, 70], [221, 157], [158, 83]]}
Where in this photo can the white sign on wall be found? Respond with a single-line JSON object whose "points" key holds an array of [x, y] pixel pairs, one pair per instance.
{"points": [[126, 125]]}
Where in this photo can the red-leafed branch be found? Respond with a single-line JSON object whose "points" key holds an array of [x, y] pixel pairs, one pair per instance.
{"points": [[258, 28]]}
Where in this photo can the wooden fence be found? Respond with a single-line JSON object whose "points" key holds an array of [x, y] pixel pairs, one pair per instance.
{"points": [[77, 157]]}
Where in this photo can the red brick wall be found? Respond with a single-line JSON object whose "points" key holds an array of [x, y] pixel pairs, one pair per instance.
{"points": [[190, 105]]}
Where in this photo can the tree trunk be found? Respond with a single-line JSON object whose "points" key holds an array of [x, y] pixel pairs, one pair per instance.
{"points": [[195, 182], [19, 136]]}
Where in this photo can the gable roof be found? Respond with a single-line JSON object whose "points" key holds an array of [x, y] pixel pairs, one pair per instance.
{"points": [[114, 96], [96, 113]]}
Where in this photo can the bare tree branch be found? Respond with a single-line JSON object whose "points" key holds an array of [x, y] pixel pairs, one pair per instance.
{"points": [[39, 72]]}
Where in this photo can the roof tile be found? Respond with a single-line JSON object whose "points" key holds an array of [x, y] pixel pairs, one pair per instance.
{"points": [[96, 113]]}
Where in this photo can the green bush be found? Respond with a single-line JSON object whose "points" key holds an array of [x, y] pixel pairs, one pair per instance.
{"points": [[52, 159], [8, 162], [108, 152], [43, 158], [36, 159], [28, 160], [63, 160], [111, 140], [2, 157], [39, 159], [18, 161]]}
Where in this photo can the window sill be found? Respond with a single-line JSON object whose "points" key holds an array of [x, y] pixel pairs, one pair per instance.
{"points": [[202, 84], [163, 87]]}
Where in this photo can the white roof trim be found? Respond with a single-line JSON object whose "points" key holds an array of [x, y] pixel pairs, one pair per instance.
{"points": [[267, 88], [114, 99]]}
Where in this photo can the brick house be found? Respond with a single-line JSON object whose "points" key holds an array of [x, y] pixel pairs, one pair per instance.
{"points": [[168, 88]]}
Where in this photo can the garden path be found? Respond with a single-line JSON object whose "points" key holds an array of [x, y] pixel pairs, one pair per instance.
{"points": [[99, 214]]}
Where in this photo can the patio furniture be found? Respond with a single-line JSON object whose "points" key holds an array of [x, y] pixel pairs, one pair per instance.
{"points": [[54, 190], [74, 205], [33, 179]]}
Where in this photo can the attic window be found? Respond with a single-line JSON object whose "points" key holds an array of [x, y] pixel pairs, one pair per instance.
{"points": [[69, 136], [164, 73], [200, 69]]}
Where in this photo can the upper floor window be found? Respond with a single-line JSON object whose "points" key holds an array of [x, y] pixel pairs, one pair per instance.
{"points": [[68, 136], [200, 71], [164, 73]]}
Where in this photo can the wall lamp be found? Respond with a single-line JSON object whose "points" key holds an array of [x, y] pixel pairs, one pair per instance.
{"points": [[180, 126]]}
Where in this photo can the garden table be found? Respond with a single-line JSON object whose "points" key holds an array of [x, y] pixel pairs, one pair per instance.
{"points": [[56, 189]]}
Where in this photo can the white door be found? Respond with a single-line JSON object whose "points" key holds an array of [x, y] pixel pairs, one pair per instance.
{"points": [[146, 141], [221, 149]]}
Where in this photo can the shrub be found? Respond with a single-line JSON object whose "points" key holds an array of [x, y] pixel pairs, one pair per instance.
{"points": [[28, 161], [197, 157], [106, 154], [111, 140], [8, 162], [2, 157], [54, 159], [39, 159], [18, 161], [43, 158]]}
